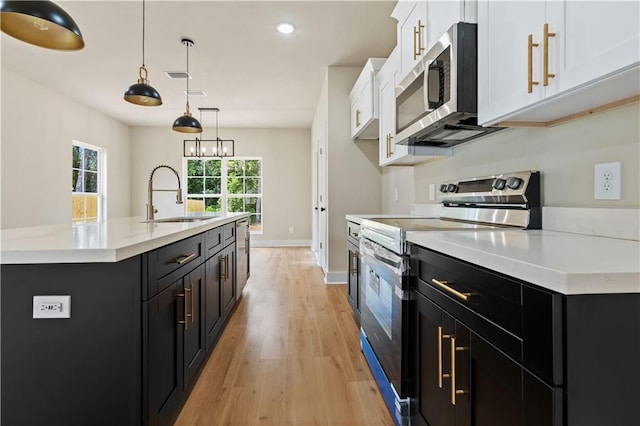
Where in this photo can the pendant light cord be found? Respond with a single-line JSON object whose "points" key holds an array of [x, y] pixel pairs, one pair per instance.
{"points": [[143, 20], [188, 76]]}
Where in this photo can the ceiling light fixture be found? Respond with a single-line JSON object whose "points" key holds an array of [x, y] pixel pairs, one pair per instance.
{"points": [[285, 28], [209, 147], [142, 93], [41, 23], [187, 123]]}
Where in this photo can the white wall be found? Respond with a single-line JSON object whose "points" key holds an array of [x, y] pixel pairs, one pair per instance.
{"points": [[287, 176], [38, 127], [564, 154]]}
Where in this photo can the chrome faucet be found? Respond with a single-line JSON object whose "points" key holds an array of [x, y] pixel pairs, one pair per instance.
{"points": [[151, 211]]}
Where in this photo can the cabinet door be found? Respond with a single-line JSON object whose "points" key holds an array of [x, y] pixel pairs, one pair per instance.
{"points": [[503, 31], [366, 100], [440, 16], [194, 328], [228, 265], [413, 37], [593, 38], [213, 305], [164, 355]]}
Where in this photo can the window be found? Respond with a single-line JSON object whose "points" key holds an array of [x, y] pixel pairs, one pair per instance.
{"points": [[226, 185], [87, 182]]}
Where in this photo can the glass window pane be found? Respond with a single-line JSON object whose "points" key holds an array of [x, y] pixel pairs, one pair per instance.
{"points": [[235, 204], [255, 223], [90, 182], [252, 205], [252, 185], [90, 159], [235, 168], [195, 185], [213, 205], [194, 168], [235, 185], [77, 157], [76, 181], [212, 185], [252, 168], [195, 205], [213, 168]]}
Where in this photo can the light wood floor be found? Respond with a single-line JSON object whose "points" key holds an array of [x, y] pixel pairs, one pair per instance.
{"points": [[290, 354]]}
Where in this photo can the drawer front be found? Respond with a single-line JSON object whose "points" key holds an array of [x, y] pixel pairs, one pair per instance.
{"points": [[214, 241], [353, 232], [183, 255], [229, 233], [490, 295]]}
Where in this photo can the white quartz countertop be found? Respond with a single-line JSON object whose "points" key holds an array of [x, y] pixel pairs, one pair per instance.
{"points": [[559, 261], [109, 241]]}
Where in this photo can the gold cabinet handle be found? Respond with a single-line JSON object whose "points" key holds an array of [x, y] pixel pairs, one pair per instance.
{"points": [[417, 40], [358, 117], [185, 259], [223, 269], [441, 337], [186, 309], [530, 82], [455, 392], [390, 145], [354, 263], [546, 75], [443, 285]]}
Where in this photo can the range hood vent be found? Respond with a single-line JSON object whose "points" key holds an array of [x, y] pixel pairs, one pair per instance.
{"points": [[453, 130]]}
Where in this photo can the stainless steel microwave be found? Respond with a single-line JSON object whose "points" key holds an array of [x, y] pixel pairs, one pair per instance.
{"points": [[436, 104]]}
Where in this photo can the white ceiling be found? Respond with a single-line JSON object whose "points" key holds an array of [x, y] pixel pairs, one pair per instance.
{"points": [[255, 75]]}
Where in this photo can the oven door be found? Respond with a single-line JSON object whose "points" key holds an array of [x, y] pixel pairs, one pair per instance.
{"points": [[384, 309]]}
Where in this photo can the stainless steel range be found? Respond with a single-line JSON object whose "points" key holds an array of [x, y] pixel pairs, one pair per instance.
{"points": [[508, 200]]}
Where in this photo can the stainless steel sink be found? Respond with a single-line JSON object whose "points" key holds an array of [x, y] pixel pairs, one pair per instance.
{"points": [[180, 219]]}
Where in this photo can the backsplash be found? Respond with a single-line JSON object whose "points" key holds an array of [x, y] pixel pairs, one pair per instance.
{"points": [[565, 155]]}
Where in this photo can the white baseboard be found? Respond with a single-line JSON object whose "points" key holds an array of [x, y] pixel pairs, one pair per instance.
{"points": [[280, 243], [335, 277]]}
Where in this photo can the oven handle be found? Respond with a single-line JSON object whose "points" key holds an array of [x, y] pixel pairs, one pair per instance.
{"points": [[381, 256]]}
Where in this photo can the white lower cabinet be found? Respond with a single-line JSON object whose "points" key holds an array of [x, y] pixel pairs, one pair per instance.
{"points": [[542, 61]]}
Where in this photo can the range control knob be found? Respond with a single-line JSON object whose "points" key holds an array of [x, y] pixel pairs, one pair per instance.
{"points": [[499, 184], [514, 182], [443, 188], [452, 187]]}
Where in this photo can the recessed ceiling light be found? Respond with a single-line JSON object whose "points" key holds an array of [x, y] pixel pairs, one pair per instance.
{"points": [[285, 28]]}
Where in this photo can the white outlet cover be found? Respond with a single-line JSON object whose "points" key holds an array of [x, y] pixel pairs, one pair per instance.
{"points": [[607, 181], [51, 307]]}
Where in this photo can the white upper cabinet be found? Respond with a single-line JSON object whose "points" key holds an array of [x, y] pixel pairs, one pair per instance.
{"points": [[364, 102], [421, 23], [543, 61]]}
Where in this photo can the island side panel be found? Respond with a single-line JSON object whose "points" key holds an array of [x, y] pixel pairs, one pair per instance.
{"points": [[77, 371]]}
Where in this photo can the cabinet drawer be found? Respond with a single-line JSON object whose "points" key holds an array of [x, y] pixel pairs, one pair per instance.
{"points": [[184, 255], [214, 241], [229, 233], [492, 296], [524, 321], [353, 232]]}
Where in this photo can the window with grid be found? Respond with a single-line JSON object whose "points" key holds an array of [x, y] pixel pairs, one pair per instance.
{"points": [[226, 185], [87, 186]]}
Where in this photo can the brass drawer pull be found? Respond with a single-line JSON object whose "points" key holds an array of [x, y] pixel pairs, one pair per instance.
{"points": [[454, 391], [417, 40], [443, 285], [441, 337], [185, 259]]}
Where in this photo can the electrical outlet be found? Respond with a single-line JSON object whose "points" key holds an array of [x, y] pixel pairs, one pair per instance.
{"points": [[291, 229], [51, 306], [607, 181]]}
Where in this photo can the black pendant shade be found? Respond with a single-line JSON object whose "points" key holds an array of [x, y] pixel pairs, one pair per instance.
{"points": [[187, 124], [141, 93], [41, 23]]}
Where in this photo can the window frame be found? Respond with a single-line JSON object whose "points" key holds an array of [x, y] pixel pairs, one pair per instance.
{"points": [[224, 194], [101, 193]]}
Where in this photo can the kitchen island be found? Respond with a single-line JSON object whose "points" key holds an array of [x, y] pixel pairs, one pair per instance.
{"points": [[139, 307]]}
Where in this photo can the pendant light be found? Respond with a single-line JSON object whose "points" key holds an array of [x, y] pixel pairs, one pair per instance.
{"points": [[209, 147], [186, 123], [142, 93], [41, 23]]}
